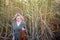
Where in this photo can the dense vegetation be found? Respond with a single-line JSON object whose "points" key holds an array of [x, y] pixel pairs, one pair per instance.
{"points": [[41, 16]]}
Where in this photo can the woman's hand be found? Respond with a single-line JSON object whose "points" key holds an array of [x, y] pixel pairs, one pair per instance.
{"points": [[23, 28], [13, 38]]}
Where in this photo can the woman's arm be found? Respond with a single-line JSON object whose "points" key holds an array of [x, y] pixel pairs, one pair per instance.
{"points": [[12, 30], [23, 25]]}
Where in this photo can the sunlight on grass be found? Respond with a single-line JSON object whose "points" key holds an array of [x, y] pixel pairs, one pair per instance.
{"points": [[40, 17]]}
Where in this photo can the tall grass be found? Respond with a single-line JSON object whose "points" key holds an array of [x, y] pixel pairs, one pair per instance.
{"points": [[39, 17]]}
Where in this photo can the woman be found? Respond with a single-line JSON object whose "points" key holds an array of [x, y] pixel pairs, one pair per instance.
{"points": [[18, 25]]}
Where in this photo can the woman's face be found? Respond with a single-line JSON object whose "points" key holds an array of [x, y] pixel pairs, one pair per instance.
{"points": [[18, 18]]}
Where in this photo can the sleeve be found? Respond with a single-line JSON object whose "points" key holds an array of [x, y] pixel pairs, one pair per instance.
{"points": [[13, 37], [24, 27], [12, 30]]}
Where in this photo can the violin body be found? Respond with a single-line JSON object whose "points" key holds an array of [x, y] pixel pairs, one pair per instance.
{"points": [[22, 35]]}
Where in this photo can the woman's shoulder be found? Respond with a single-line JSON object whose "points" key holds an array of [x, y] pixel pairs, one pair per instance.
{"points": [[13, 23], [23, 22]]}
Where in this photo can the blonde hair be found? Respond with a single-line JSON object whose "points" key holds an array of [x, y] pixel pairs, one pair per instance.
{"points": [[18, 14]]}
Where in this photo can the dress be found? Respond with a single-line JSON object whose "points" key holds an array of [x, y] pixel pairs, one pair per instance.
{"points": [[16, 30]]}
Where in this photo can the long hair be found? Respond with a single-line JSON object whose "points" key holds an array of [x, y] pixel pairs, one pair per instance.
{"points": [[18, 14]]}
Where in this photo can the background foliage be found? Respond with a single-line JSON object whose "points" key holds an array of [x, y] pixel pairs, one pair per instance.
{"points": [[41, 17]]}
